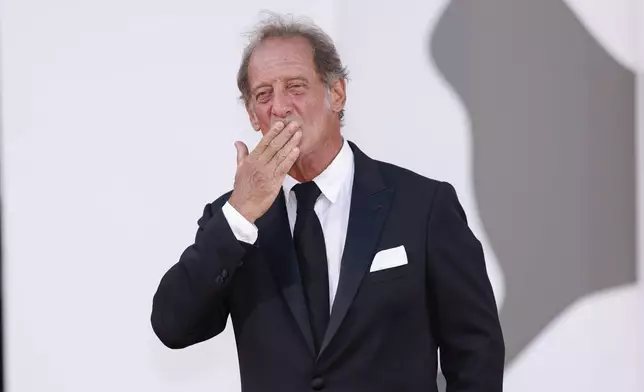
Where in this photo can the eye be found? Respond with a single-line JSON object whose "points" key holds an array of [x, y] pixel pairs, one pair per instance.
{"points": [[262, 97], [296, 87]]}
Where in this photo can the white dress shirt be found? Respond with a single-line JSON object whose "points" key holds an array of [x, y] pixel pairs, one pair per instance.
{"points": [[332, 209]]}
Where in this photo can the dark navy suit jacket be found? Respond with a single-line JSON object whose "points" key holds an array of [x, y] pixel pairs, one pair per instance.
{"points": [[385, 326]]}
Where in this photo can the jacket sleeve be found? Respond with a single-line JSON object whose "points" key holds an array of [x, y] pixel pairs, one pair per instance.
{"points": [[191, 302], [465, 319]]}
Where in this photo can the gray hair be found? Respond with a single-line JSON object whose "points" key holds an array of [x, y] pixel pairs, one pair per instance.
{"points": [[325, 56]]}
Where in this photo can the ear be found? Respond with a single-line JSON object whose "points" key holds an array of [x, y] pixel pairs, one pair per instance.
{"points": [[252, 117], [338, 94]]}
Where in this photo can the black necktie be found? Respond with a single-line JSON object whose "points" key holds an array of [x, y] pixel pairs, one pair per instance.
{"points": [[311, 255]]}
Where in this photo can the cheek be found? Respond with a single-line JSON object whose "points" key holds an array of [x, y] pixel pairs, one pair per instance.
{"points": [[312, 108], [263, 117]]}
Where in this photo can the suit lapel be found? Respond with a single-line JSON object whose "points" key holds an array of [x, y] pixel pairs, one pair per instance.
{"points": [[370, 202], [276, 241]]}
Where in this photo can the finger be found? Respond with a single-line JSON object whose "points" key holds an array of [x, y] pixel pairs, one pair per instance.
{"points": [[242, 151], [283, 152], [268, 138], [287, 163], [279, 141]]}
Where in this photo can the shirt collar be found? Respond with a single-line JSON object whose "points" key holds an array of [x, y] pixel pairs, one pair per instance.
{"points": [[332, 180]]}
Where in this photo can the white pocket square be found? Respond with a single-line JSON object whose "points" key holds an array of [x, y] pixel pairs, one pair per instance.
{"points": [[389, 258]]}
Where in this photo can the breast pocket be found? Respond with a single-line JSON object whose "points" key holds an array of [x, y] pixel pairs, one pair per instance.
{"points": [[388, 274], [389, 264]]}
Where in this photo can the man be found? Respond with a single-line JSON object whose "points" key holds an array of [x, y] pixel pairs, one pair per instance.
{"points": [[340, 272]]}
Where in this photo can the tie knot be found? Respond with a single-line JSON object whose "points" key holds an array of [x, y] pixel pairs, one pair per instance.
{"points": [[307, 194]]}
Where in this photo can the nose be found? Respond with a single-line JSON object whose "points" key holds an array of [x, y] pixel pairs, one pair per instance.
{"points": [[282, 105]]}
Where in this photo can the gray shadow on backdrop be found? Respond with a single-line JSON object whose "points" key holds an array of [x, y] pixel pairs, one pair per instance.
{"points": [[553, 126]]}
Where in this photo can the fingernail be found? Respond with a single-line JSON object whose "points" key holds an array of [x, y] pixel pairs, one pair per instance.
{"points": [[279, 124]]}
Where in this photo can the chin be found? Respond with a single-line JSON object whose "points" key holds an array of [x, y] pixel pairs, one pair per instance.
{"points": [[307, 145], [304, 149]]}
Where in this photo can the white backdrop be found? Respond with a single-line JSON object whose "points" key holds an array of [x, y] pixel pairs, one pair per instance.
{"points": [[118, 121]]}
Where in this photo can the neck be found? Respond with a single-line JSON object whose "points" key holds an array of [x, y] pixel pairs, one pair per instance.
{"points": [[310, 165]]}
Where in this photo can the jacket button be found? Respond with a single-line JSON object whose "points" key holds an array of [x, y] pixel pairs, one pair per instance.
{"points": [[224, 274], [219, 280], [317, 383]]}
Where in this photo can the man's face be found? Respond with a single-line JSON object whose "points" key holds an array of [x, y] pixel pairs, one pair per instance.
{"points": [[284, 86]]}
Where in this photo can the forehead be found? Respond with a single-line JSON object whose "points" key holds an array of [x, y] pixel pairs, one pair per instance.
{"points": [[280, 58]]}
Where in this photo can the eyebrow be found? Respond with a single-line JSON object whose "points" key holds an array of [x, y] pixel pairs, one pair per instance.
{"points": [[262, 85], [301, 78]]}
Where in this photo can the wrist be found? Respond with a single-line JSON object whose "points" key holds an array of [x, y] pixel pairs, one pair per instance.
{"points": [[242, 209]]}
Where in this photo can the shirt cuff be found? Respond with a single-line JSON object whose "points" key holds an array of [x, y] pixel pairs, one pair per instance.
{"points": [[243, 230]]}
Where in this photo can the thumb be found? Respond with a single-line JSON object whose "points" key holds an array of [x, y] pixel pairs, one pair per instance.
{"points": [[242, 151]]}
